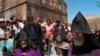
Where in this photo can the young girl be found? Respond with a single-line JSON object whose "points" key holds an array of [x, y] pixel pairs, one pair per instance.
{"points": [[23, 47]]}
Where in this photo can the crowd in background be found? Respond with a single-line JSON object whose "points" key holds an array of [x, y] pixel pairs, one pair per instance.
{"points": [[45, 37], [34, 37]]}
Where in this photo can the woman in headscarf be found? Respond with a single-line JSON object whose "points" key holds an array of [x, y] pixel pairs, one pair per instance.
{"points": [[24, 47]]}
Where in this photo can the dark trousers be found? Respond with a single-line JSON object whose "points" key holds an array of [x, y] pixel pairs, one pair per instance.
{"points": [[7, 54], [40, 46]]}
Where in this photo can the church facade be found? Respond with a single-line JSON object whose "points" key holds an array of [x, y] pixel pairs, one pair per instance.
{"points": [[56, 9]]}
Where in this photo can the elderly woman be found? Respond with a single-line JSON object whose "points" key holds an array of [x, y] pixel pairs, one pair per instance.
{"points": [[24, 47]]}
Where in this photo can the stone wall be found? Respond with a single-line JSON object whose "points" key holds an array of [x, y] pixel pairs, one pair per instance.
{"points": [[46, 8]]}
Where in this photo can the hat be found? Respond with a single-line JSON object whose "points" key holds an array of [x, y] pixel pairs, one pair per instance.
{"points": [[80, 25], [22, 35], [12, 16]]}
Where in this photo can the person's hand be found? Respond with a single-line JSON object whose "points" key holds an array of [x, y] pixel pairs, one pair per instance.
{"points": [[7, 35], [65, 45], [24, 54], [43, 41]]}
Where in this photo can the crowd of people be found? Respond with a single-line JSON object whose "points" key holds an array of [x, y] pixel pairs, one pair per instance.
{"points": [[33, 37], [51, 38]]}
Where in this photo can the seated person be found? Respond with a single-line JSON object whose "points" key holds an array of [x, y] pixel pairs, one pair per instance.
{"points": [[23, 47]]}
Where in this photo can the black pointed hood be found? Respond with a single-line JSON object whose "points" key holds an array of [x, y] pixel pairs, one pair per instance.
{"points": [[79, 24], [22, 36]]}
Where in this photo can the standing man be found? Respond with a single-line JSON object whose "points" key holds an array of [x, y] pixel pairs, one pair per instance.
{"points": [[38, 20], [15, 27], [39, 33], [15, 24], [33, 30]]}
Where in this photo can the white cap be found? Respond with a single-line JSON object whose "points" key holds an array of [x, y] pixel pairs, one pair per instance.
{"points": [[1, 19]]}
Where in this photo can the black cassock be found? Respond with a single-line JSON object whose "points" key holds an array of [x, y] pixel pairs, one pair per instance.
{"points": [[80, 25]]}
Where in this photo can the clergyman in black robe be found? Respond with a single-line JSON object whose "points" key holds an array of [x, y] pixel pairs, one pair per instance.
{"points": [[82, 44]]}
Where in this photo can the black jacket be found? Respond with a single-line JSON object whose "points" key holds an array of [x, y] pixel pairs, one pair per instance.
{"points": [[60, 31], [38, 33]]}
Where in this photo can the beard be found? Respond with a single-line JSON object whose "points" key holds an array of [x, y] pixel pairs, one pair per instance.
{"points": [[79, 40], [14, 22]]}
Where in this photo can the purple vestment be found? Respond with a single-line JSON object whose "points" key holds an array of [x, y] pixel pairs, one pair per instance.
{"points": [[33, 52], [95, 52]]}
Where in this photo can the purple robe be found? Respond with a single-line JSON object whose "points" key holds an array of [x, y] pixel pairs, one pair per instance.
{"points": [[95, 52], [33, 52]]}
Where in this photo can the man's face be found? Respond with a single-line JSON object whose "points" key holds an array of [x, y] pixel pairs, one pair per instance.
{"points": [[30, 21], [48, 22], [57, 24], [76, 35], [79, 36], [15, 19], [39, 19]]}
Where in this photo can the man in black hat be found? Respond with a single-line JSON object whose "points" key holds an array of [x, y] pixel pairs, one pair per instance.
{"points": [[82, 40]]}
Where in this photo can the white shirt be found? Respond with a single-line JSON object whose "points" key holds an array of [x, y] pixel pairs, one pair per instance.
{"points": [[21, 25], [1, 33]]}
